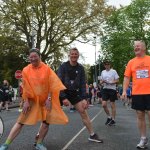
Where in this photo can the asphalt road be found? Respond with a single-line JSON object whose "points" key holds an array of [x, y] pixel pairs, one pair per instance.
{"points": [[74, 136]]}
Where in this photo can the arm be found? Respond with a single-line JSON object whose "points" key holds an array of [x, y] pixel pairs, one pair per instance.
{"points": [[83, 84], [61, 74], [125, 86]]}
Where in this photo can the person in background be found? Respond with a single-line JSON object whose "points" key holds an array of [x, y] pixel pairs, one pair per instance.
{"points": [[11, 94], [129, 93], [138, 69], [109, 79], [1, 97], [5, 88], [72, 75]]}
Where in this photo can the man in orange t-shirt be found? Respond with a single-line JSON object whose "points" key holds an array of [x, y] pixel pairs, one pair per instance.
{"points": [[139, 69]]}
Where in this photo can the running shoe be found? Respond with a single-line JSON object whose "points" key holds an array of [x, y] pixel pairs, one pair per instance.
{"points": [[40, 146], [4, 147], [95, 138], [142, 144], [108, 121], [112, 123]]}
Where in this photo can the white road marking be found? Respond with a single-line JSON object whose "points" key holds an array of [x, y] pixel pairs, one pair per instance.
{"points": [[71, 141]]}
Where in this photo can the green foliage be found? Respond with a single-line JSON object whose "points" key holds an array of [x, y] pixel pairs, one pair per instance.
{"points": [[11, 52], [56, 23], [123, 27]]}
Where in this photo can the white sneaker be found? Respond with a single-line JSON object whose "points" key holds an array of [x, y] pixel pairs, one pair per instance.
{"points": [[143, 143]]}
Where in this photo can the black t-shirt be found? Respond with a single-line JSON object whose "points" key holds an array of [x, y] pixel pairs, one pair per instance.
{"points": [[72, 71]]}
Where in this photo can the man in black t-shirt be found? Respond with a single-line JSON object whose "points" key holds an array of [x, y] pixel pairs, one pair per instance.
{"points": [[72, 75]]}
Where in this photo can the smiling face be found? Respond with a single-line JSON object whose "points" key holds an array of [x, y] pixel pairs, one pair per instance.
{"points": [[34, 59], [74, 55], [139, 48]]}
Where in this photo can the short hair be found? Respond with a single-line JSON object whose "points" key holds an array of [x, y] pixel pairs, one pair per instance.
{"points": [[142, 42], [106, 62], [74, 49], [35, 50]]}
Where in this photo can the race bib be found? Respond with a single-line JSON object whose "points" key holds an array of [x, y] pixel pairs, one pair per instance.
{"points": [[142, 74]]}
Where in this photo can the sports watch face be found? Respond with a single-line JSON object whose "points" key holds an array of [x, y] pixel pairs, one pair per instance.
{"points": [[1, 127]]}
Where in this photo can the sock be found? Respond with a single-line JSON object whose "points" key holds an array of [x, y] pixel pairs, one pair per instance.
{"points": [[143, 137], [39, 141], [92, 134], [109, 117], [8, 141]]}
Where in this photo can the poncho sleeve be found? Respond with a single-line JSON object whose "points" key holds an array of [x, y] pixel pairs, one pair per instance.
{"points": [[27, 89]]}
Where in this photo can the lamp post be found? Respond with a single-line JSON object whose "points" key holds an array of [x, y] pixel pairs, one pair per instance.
{"points": [[99, 73], [95, 60], [32, 29]]}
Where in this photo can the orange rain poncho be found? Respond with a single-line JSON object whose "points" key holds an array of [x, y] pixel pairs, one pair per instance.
{"points": [[37, 84]]}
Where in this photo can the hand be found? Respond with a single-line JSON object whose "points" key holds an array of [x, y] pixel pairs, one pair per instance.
{"points": [[103, 81], [26, 107], [84, 104], [48, 104], [66, 102], [124, 96]]}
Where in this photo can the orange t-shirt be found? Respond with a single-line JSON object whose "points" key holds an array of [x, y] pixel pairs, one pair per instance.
{"points": [[139, 70]]}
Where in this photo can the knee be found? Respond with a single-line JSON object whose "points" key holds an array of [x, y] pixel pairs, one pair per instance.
{"points": [[104, 105], [81, 111], [45, 125], [113, 106]]}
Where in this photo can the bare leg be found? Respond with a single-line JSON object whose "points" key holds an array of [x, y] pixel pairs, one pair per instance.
{"points": [[43, 131], [141, 123], [113, 108], [6, 105], [85, 118], [1, 103], [149, 117], [15, 131], [104, 104]]}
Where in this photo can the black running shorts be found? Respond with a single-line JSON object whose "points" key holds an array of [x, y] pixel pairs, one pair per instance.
{"points": [[109, 94], [141, 102], [73, 96]]}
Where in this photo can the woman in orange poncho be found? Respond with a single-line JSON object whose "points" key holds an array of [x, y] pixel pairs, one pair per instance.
{"points": [[41, 89]]}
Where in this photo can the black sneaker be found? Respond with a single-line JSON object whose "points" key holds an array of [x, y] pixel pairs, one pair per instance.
{"points": [[95, 138], [112, 123], [108, 121]]}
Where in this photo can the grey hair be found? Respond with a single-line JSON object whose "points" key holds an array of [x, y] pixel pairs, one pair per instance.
{"points": [[74, 49], [142, 42]]}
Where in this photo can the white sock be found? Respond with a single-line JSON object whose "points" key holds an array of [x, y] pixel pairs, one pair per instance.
{"points": [[92, 134], [143, 137]]}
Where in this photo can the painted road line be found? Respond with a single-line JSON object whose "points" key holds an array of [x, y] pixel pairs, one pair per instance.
{"points": [[69, 143]]}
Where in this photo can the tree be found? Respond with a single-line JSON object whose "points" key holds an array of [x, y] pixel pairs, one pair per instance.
{"points": [[123, 27], [56, 23], [12, 58]]}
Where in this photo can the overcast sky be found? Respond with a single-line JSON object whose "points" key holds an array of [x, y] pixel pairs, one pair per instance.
{"points": [[87, 50]]}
